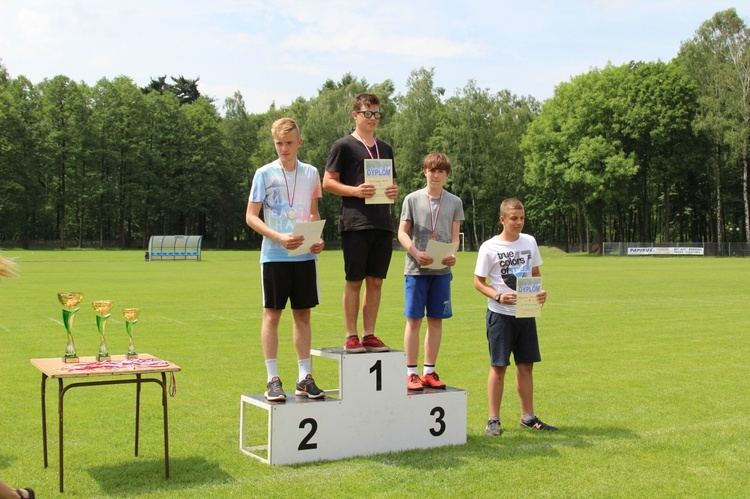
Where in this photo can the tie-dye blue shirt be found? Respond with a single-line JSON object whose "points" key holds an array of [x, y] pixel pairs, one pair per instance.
{"points": [[270, 188]]}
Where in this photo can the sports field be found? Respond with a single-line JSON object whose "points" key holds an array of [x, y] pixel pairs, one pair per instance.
{"points": [[645, 372]]}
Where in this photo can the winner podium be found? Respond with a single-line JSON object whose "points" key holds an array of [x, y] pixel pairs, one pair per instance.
{"points": [[372, 414]]}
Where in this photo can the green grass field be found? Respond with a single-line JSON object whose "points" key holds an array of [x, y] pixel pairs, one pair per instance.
{"points": [[644, 371]]}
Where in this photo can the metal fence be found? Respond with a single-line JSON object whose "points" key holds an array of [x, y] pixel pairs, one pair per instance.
{"points": [[669, 249]]}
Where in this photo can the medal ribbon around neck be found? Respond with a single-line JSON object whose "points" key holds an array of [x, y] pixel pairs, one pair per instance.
{"points": [[289, 198], [434, 218], [377, 149]]}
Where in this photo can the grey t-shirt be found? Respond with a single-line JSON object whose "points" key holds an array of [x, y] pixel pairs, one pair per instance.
{"points": [[424, 212]]}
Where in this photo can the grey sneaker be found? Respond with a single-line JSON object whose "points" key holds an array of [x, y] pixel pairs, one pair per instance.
{"points": [[537, 424], [308, 388], [274, 391], [493, 428]]}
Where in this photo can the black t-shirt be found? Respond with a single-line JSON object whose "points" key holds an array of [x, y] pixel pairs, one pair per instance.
{"points": [[347, 158]]}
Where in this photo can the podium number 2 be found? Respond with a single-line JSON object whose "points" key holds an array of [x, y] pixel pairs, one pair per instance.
{"points": [[305, 444], [376, 368]]}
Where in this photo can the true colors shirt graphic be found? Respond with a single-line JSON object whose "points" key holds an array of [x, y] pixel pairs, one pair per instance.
{"points": [[502, 262]]}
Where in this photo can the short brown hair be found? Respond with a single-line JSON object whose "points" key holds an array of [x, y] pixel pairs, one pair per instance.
{"points": [[283, 126], [436, 161], [365, 100], [510, 204]]}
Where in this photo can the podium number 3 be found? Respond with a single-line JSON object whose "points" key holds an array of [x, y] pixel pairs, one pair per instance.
{"points": [[377, 369]]}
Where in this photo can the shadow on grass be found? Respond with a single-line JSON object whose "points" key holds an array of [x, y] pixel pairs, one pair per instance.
{"points": [[144, 476], [513, 444]]}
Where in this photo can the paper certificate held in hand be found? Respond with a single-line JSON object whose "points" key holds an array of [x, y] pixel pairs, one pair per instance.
{"points": [[439, 251], [379, 172], [311, 231], [526, 303]]}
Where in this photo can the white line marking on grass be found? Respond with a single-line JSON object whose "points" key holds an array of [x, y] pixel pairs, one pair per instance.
{"points": [[55, 320], [325, 315], [225, 318], [4, 328], [175, 320]]}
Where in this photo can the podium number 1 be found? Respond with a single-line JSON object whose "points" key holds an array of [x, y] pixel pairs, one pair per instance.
{"points": [[376, 368]]}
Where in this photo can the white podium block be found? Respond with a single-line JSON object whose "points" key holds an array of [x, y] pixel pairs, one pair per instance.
{"points": [[373, 414]]}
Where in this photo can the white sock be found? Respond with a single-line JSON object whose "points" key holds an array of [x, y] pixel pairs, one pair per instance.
{"points": [[305, 368], [528, 417], [272, 369], [412, 370], [428, 369]]}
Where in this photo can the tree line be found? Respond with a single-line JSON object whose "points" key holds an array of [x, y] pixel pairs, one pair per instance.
{"points": [[646, 151]]}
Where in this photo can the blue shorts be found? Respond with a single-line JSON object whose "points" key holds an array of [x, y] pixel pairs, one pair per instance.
{"points": [[507, 334], [428, 292]]}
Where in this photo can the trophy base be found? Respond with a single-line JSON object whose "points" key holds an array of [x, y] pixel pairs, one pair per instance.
{"points": [[131, 356], [105, 358], [70, 360]]}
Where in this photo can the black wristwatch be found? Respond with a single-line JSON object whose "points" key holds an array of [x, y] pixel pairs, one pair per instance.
{"points": [[497, 297]]}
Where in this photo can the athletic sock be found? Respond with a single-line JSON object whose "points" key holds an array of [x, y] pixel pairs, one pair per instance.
{"points": [[428, 369], [272, 369], [305, 368], [412, 370], [528, 417]]}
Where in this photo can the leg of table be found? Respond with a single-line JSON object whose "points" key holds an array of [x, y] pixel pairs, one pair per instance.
{"points": [[60, 428], [44, 417], [166, 424], [137, 411]]}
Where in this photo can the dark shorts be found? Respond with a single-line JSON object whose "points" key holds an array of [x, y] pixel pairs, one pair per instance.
{"points": [[293, 281], [507, 334], [428, 292], [367, 253]]}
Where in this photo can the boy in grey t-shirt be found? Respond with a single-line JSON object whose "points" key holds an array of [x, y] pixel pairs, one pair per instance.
{"points": [[429, 213]]}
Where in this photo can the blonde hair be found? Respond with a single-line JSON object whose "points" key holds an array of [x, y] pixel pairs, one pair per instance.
{"points": [[510, 204], [283, 126]]}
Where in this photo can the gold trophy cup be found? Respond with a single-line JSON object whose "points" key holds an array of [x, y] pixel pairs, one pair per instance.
{"points": [[131, 317], [102, 309], [70, 302]]}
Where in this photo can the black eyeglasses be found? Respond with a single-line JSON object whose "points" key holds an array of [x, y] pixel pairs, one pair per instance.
{"points": [[369, 114]]}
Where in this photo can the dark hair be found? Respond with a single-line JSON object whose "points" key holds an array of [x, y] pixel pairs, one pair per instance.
{"points": [[365, 100]]}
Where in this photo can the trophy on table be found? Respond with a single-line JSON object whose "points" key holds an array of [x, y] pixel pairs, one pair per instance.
{"points": [[102, 308], [131, 317], [70, 302]]}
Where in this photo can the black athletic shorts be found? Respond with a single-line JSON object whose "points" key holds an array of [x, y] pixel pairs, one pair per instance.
{"points": [[507, 334], [293, 281], [367, 253]]}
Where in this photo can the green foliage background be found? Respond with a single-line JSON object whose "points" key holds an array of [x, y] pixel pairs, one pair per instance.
{"points": [[650, 151]]}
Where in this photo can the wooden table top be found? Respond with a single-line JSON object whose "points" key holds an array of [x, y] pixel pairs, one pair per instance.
{"points": [[88, 366]]}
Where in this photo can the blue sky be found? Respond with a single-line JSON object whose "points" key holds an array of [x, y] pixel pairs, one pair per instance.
{"points": [[278, 51]]}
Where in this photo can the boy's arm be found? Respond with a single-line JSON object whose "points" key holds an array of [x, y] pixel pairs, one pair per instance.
{"points": [[403, 237], [315, 215], [333, 184], [252, 217], [480, 284]]}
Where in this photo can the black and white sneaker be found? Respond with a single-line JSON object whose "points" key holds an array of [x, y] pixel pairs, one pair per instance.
{"points": [[537, 424], [309, 389], [274, 391]]}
